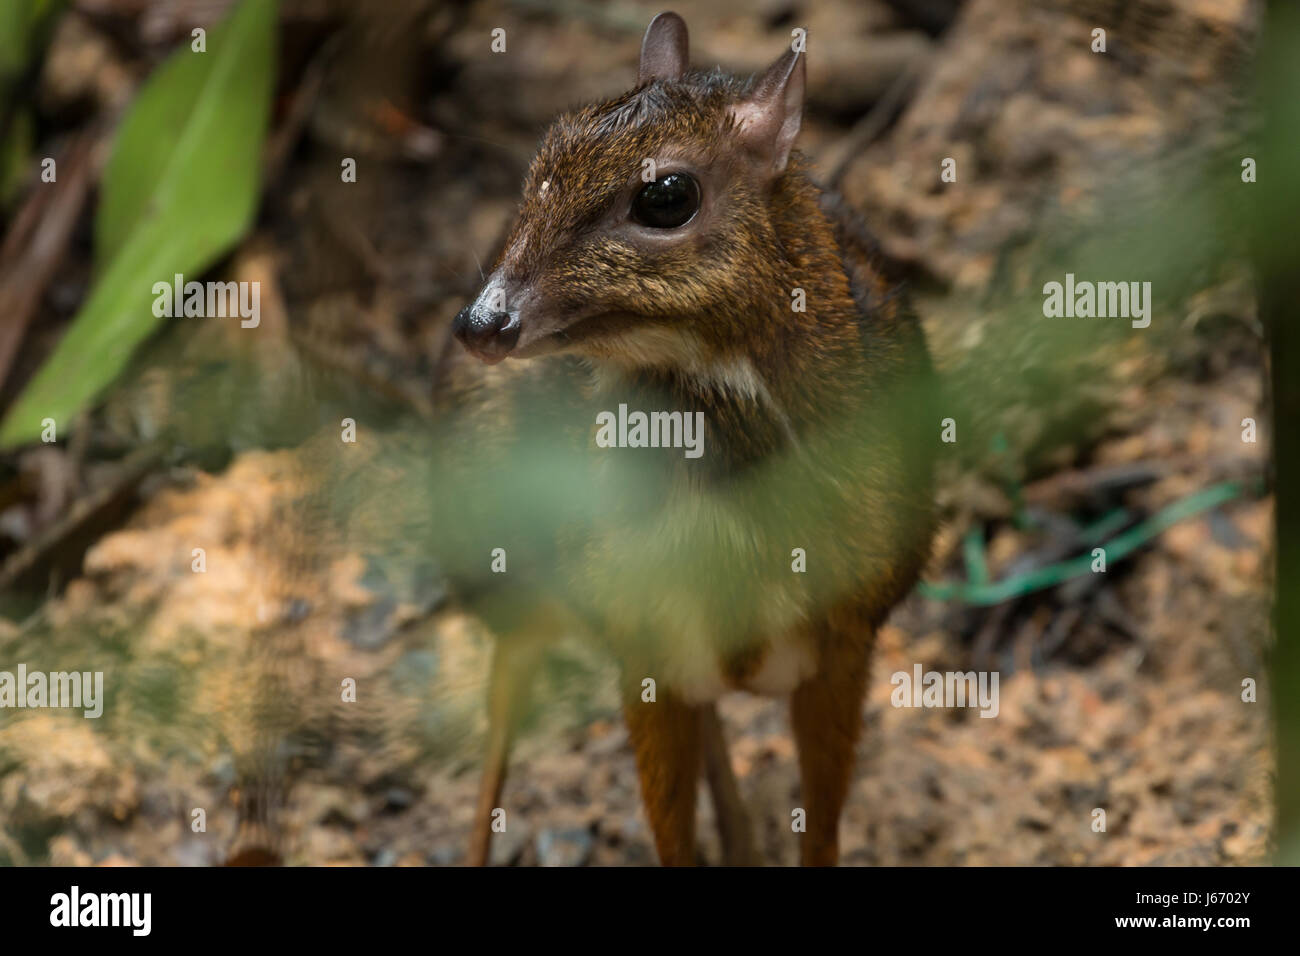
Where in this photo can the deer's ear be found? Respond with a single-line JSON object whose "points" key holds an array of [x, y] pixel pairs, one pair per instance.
{"points": [[665, 49], [767, 119]]}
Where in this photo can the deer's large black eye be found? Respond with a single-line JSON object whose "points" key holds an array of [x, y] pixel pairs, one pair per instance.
{"points": [[668, 202]]}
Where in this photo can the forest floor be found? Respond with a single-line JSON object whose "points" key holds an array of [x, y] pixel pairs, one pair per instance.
{"points": [[1126, 732]]}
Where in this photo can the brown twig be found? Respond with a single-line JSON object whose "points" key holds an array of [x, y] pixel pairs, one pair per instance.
{"points": [[36, 243], [81, 516], [871, 127]]}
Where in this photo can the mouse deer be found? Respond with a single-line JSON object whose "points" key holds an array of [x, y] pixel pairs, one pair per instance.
{"points": [[673, 259]]}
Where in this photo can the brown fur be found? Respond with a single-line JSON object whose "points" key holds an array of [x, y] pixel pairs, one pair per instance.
{"points": [[814, 436]]}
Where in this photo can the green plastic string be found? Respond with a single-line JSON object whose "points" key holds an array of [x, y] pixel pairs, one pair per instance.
{"points": [[983, 594]]}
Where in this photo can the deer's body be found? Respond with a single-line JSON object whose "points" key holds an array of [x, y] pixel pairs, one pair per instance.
{"points": [[766, 563]]}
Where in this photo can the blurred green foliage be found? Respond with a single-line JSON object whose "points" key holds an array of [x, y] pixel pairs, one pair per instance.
{"points": [[22, 24], [25, 28], [180, 189], [1273, 216]]}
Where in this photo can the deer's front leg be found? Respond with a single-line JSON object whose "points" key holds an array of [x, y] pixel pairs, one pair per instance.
{"points": [[734, 827], [826, 713], [508, 686], [665, 736]]}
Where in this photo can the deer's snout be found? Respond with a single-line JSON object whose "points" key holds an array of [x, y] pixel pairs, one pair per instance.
{"points": [[489, 334]]}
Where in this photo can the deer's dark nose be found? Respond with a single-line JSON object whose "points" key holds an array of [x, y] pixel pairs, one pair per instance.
{"points": [[488, 335]]}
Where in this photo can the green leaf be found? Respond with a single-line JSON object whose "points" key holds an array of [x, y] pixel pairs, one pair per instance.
{"points": [[15, 18], [15, 154], [25, 30], [179, 191]]}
